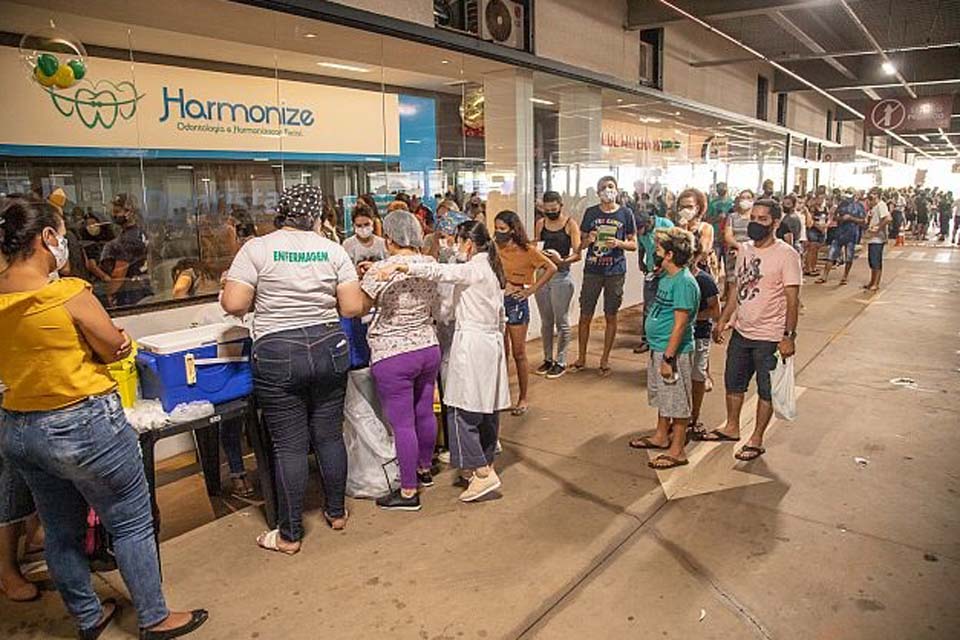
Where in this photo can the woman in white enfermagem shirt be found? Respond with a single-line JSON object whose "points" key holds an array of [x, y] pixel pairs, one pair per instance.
{"points": [[296, 279]]}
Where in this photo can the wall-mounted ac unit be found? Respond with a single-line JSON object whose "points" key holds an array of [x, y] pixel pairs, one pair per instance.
{"points": [[501, 21], [647, 54]]}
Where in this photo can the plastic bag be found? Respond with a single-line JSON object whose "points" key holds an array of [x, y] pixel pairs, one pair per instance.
{"points": [[372, 469], [784, 389], [146, 415], [189, 411]]}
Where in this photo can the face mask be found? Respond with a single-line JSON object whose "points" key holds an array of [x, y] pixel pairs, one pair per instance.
{"points": [[658, 260], [93, 229], [364, 232], [120, 218], [608, 195], [757, 231], [61, 252], [687, 214], [552, 215], [503, 237], [746, 205]]}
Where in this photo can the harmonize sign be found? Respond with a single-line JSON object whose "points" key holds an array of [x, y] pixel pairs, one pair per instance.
{"points": [[907, 114]]}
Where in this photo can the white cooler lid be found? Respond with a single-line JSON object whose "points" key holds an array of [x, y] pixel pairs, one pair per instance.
{"points": [[205, 335]]}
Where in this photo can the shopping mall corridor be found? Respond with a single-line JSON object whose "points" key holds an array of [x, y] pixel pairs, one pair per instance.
{"points": [[847, 528]]}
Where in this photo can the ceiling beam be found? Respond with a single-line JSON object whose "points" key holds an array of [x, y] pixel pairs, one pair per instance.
{"points": [[876, 45], [806, 40], [801, 57], [945, 82], [645, 14]]}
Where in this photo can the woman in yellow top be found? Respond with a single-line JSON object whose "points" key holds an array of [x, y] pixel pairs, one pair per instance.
{"points": [[526, 270], [62, 426]]}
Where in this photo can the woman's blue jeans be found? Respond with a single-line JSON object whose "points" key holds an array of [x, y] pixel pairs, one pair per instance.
{"points": [[88, 454]]}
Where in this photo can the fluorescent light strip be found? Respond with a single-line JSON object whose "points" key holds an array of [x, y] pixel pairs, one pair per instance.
{"points": [[343, 67], [756, 53], [541, 101], [947, 140]]}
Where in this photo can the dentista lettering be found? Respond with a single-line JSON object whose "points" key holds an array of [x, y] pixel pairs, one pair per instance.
{"points": [[177, 104]]}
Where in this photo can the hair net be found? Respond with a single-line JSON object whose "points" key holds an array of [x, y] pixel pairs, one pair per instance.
{"points": [[403, 228]]}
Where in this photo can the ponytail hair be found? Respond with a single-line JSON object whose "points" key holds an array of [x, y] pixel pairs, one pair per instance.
{"points": [[477, 233]]}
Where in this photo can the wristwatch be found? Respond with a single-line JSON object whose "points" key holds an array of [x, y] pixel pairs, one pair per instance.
{"points": [[790, 334]]}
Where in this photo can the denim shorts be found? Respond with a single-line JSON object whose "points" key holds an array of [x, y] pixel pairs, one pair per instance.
{"points": [[836, 246], [701, 359], [875, 255], [518, 310], [745, 358], [612, 288], [16, 501]]}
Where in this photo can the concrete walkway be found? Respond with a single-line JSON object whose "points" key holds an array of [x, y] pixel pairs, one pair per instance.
{"points": [[803, 544]]}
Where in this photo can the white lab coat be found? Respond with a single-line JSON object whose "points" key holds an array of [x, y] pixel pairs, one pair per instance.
{"points": [[476, 378]]}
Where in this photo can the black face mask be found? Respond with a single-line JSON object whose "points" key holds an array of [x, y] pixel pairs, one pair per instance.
{"points": [[552, 215], [658, 260], [758, 232], [503, 237]]}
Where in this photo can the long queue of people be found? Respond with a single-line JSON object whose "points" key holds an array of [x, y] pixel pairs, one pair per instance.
{"points": [[451, 302]]}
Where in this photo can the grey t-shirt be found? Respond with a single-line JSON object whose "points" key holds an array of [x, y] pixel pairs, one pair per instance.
{"points": [[295, 275], [358, 252], [405, 307]]}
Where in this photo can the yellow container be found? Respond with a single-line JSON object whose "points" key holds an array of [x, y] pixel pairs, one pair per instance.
{"points": [[124, 372]]}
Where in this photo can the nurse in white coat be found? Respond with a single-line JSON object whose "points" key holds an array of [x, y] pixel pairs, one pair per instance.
{"points": [[475, 383]]}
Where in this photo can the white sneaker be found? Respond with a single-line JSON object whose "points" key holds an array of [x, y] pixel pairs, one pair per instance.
{"points": [[480, 487], [444, 457], [499, 448]]}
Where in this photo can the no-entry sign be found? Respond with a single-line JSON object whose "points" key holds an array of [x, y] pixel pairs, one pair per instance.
{"points": [[907, 114]]}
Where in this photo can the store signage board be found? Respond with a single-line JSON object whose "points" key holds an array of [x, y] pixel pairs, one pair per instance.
{"points": [[902, 115], [839, 154], [157, 107]]}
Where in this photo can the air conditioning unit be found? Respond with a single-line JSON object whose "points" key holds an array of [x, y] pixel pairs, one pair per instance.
{"points": [[501, 21], [647, 54]]}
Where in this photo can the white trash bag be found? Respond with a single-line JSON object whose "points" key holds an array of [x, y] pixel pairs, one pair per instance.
{"points": [[784, 389], [372, 469]]}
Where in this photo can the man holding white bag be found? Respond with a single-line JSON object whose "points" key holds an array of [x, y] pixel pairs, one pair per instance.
{"points": [[768, 282]]}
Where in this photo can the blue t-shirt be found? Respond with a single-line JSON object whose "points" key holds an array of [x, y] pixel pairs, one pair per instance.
{"points": [[708, 289], [679, 291], [849, 231], [620, 223]]}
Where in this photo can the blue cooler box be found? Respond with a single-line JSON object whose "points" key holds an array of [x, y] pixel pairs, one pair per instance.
{"points": [[210, 362]]}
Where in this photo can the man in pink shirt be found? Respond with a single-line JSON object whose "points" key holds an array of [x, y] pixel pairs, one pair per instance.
{"points": [[766, 306]]}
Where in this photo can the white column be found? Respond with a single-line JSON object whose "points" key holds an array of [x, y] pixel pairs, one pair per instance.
{"points": [[508, 132], [581, 120]]}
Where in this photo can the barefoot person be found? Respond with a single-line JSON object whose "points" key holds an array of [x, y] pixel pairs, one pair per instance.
{"points": [[527, 270], [62, 427], [475, 383], [607, 229], [669, 330], [766, 305]]}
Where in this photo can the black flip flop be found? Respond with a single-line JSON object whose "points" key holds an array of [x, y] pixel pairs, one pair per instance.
{"points": [[197, 618], [749, 449], [715, 435], [674, 462], [95, 632], [646, 444]]}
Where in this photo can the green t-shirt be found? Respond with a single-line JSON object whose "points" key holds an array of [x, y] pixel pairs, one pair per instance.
{"points": [[717, 211], [649, 240], [679, 291]]}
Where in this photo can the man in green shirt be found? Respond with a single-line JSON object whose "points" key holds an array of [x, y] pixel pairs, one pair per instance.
{"points": [[717, 212], [669, 331]]}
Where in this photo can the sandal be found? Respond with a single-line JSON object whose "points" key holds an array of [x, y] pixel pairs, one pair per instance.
{"points": [[821, 280], [843, 282], [576, 367], [28, 594], [519, 411], [644, 442], [339, 523], [270, 540], [749, 452], [715, 435], [663, 462], [604, 371]]}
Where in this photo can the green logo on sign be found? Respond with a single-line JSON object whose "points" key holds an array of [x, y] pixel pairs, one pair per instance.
{"points": [[99, 104]]}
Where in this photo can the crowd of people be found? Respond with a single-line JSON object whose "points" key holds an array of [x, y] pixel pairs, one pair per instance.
{"points": [[445, 300]]}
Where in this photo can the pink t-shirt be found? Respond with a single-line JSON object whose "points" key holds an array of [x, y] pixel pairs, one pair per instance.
{"points": [[762, 275]]}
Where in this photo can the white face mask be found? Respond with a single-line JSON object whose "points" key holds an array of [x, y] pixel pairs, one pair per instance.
{"points": [[687, 214], [61, 252], [746, 205], [609, 194], [364, 232]]}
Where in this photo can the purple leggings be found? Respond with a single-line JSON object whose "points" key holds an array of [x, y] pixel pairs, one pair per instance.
{"points": [[405, 384]]}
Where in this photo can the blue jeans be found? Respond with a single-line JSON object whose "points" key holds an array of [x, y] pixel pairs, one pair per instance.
{"points": [[88, 453], [231, 439], [300, 381], [517, 310]]}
